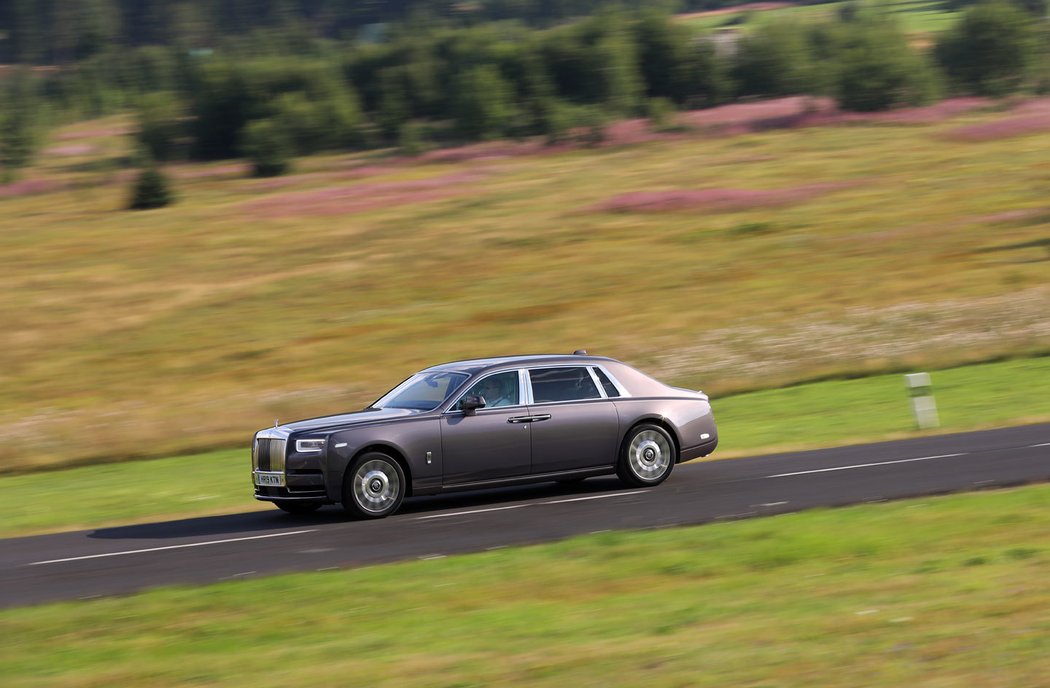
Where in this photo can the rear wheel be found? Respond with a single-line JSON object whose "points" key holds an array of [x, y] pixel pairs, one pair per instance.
{"points": [[299, 507], [374, 486], [647, 456]]}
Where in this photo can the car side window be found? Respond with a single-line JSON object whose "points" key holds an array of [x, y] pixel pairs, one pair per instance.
{"points": [[607, 385], [500, 389], [562, 384]]}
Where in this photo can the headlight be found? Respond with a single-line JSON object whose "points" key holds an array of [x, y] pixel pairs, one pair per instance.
{"points": [[309, 445]]}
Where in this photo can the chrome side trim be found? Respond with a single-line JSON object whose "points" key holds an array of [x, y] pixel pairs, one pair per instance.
{"points": [[595, 400], [528, 478]]}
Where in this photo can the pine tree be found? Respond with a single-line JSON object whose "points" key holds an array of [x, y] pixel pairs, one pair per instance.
{"points": [[151, 190]]}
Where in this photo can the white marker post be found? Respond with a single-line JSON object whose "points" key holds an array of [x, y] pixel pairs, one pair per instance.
{"points": [[923, 406]]}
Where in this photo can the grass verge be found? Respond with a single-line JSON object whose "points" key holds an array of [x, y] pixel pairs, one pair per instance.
{"points": [[943, 591], [811, 415]]}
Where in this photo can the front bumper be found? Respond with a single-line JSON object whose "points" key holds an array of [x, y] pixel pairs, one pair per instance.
{"points": [[280, 494]]}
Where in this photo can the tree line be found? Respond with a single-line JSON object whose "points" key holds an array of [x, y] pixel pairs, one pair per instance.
{"points": [[62, 31], [279, 93]]}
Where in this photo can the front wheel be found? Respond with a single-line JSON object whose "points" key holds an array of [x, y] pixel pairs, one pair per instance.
{"points": [[374, 486], [647, 456]]}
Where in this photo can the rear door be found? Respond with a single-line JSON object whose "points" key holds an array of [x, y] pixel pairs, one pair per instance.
{"points": [[574, 425]]}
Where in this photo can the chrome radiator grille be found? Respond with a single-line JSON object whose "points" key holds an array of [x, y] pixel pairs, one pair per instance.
{"points": [[268, 454]]}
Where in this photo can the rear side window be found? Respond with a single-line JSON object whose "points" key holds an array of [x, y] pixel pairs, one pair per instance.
{"points": [[607, 385], [562, 384]]}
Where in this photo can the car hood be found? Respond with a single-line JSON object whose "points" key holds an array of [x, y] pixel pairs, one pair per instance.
{"points": [[344, 419]]}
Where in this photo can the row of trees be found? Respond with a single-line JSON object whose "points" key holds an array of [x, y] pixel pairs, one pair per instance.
{"points": [[303, 96], [63, 31]]}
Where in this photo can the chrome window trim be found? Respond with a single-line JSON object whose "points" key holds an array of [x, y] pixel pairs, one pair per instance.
{"points": [[522, 396], [525, 384], [532, 398], [569, 401], [597, 382], [616, 383]]}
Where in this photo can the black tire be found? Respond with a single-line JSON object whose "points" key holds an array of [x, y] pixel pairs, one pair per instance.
{"points": [[647, 456], [299, 508], [374, 486]]}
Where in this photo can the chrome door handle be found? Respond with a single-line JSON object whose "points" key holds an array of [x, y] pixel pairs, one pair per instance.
{"points": [[545, 416], [520, 419]]}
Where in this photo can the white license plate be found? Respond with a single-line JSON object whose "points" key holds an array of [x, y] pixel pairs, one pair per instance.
{"points": [[272, 479]]}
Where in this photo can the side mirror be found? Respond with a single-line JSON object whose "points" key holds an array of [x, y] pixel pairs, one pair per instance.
{"points": [[471, 403]]}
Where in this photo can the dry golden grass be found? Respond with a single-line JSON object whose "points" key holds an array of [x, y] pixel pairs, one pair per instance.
{"points": [[142, 334]]}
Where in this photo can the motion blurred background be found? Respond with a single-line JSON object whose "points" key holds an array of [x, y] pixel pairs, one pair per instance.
{"points": [[215, 213], [220, 212]]}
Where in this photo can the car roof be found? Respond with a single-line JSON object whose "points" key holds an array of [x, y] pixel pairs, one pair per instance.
{"points": [[477, 365]]}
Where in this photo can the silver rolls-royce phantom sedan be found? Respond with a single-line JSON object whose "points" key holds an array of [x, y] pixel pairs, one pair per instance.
{"points": [[485, 423]]}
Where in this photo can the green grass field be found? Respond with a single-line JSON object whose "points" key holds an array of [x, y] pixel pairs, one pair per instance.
{"points": [[143, 334], [944, 592], [821, 414]]}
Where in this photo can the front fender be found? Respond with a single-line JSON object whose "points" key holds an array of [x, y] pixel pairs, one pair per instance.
{"points": [[417, 442]]}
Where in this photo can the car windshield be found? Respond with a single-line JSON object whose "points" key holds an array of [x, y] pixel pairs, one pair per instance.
{"points": [[422, 391]]}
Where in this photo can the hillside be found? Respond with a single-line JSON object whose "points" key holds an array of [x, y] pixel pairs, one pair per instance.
{"points": [[728, 257]]}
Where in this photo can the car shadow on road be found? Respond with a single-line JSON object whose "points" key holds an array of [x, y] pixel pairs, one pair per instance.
{"points": [[250, 522]]}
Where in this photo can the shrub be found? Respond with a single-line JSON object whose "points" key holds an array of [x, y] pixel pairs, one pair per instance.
{"points": [[592, 123], [774, 61], [1036, 8], [878, 70], [151, 190], [989, 51], [227, 95], [595, 62], [313, 125], [161, 127], [482, 107], [410, 139], [662, 56], [20, 126], [266, 144], [660, 112], [554, 120]]}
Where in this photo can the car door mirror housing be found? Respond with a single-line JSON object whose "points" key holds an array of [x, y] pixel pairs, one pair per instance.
{"points": [[471, 403]]}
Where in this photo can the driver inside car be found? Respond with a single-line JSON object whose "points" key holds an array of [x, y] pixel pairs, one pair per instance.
{"points": [[494, 393]]}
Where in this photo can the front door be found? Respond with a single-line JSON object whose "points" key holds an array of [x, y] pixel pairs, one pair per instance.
{"points": [[491, 443]]}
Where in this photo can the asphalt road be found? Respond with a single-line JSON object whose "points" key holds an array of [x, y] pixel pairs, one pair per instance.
{"points": [[120, 560]]}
